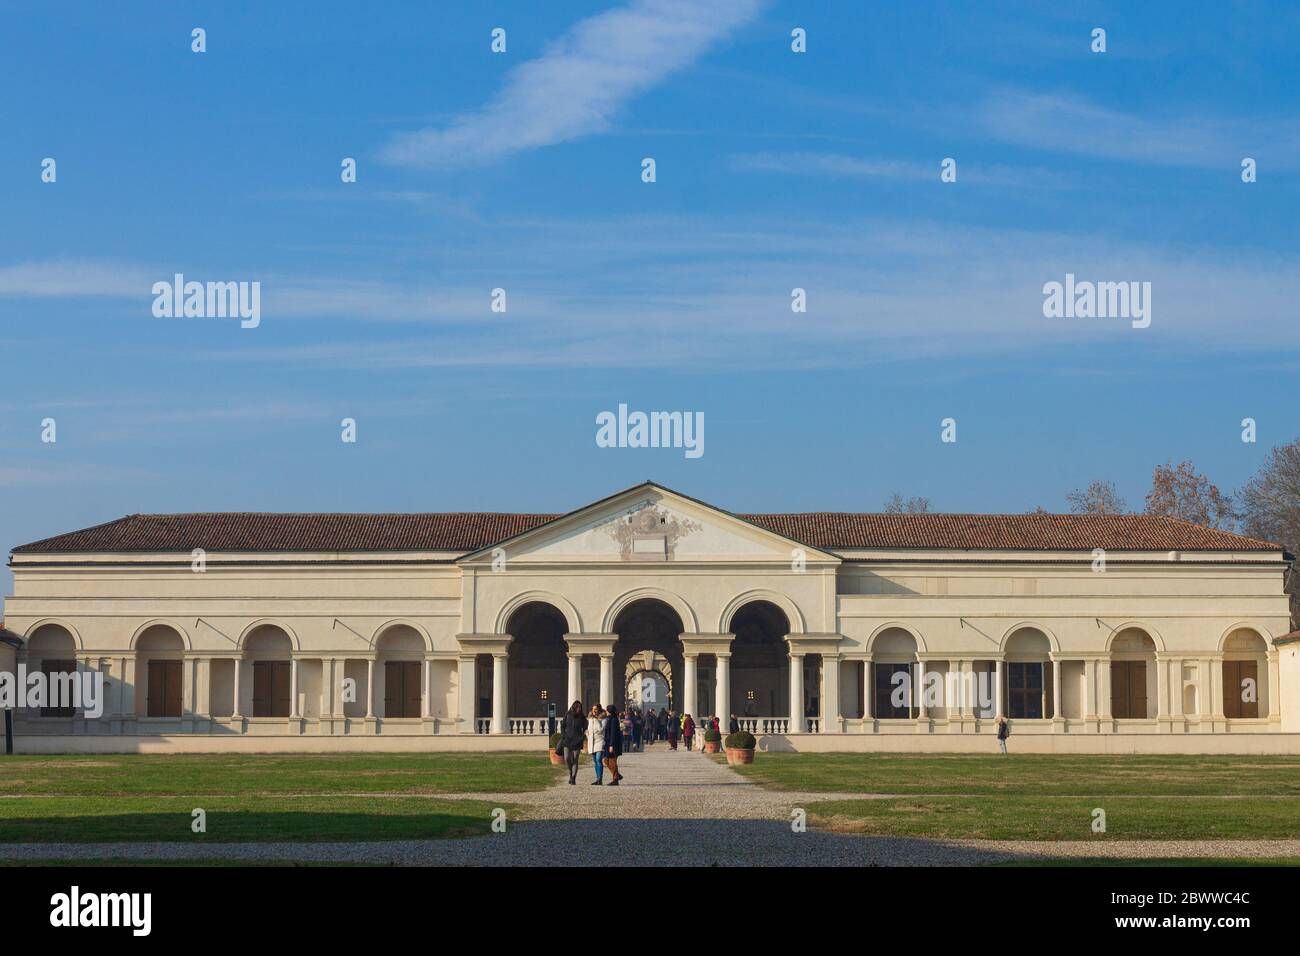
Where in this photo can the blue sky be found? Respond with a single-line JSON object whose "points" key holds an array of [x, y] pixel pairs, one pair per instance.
{"points": [[775, 170]]}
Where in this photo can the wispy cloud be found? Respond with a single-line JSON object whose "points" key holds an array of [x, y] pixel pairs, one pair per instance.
{"points": [[1071, 124], [865, 167], [59, 278], [577, 86]]}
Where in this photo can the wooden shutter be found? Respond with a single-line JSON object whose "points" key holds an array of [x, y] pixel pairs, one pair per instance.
{"points": [[173, 683], [280, 689], [1234, 674], [261, 688], [157, 700], [1137, 682], [414, 670], [1119, 688], [1231, 697]]}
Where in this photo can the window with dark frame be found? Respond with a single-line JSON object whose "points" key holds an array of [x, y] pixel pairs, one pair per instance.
{"points": [[52, 669], [271, 688], [164, 690], [1025, 689], [885, 687], [1235, 674], [1128, 689], [402, 688]]}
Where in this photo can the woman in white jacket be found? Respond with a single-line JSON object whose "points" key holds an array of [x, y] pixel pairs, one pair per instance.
{"points": [[596, 742]]}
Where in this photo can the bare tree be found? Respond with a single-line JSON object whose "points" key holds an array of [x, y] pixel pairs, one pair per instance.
{"points": [[1270, 509], [1099, 498], [897, 505], [1179, 491]]}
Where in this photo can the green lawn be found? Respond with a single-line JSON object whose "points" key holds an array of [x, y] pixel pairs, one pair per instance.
{"points": [[1072, 775], [258, 796], [1045, 797]]}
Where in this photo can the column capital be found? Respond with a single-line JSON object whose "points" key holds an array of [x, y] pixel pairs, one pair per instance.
{"points": [[827, 645], [590, 643], [483, 643], [707, 643]]}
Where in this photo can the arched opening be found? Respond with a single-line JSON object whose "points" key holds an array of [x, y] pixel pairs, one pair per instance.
{"points": [[650, 629], [159, 666], [271, 652], [1132, 675], [893, 665], [399, 654], [760, 663], [648, 682], [1028, 691], [52, 650], [1245, 674], [538, 662]]}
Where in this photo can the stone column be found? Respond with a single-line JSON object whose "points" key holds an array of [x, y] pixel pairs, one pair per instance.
{"points": [[467, 694], [606, 679], [1176, 688], [1056, 690], [575, 680], [830, 694], [918, 691], [1272, 688], [1103, 689], [1216, 685], [295, 711], [236, 714], [203, 687], [868, 688], [188, 690], [722, 692], [426, 688], [1090, 689], [690, 689], [500, 694], [1162, 688], [370, 688], [797, 725]]}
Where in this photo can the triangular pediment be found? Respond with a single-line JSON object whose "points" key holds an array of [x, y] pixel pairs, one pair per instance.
{"points": [[649, 523]]}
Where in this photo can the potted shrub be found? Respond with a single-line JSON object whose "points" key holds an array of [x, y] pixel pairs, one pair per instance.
{"points": [[711, 741], [555, 757], [740, 747]]}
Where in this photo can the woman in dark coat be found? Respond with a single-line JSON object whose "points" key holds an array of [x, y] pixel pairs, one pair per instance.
{"points": [[573, 737], [613, 743], [671, 730]]}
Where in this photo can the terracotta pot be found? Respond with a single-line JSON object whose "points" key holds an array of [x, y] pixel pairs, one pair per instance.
{"points": [[556, 759], [711, 746], [740, 756]]}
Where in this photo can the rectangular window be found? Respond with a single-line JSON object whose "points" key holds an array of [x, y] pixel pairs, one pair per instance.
{"points": [[164, 689], [1025, 690], [1128, 689], [402, 688], [1235, 677], [271, 688], [887, 688], [52, 671]]}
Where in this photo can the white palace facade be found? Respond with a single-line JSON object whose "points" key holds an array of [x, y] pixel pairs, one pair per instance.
{"points": [[459, 631]]}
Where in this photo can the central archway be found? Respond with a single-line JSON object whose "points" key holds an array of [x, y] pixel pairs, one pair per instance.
{"points": [[760, 661], [538, 661], [648, 681], [648, 630]]}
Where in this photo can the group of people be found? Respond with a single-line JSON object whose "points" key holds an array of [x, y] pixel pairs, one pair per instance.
{"points": [[604, 733]]}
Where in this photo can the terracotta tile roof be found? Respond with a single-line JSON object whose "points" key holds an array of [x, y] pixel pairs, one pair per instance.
{"points": [[468, 531], [1287, 638], [991, 532]]}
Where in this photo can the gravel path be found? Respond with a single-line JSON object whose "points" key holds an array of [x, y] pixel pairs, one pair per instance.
{"points": [[671, 809]]}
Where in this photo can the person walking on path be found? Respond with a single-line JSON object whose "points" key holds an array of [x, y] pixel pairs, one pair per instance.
{"points": [[688, 730], [670, 730], [613, 743], [638, 729], [573, 733], [734, 726], [1004, 731], [596, 742]]}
